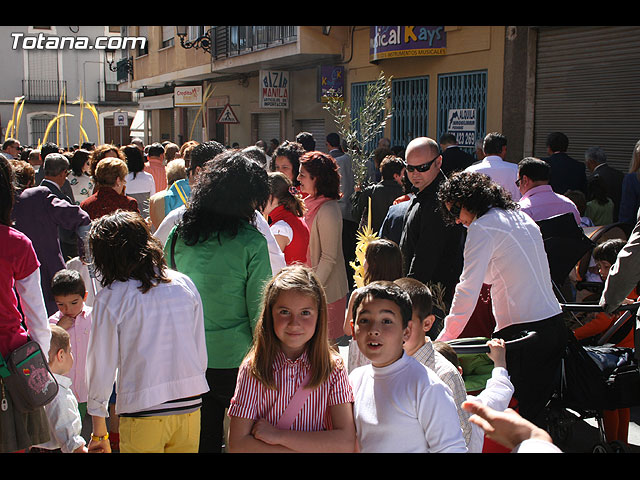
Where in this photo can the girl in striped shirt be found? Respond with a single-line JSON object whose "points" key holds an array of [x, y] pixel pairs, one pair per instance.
{"points": [[291, 346]]}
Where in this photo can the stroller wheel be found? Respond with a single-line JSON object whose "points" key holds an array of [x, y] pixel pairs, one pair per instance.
{"points": [[602, 448], [620, 447]]}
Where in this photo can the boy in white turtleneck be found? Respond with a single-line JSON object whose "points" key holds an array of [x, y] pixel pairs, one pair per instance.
{"points": [[400, 405]]}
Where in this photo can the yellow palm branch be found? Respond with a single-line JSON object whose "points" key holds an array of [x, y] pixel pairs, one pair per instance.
{"points": [[83, 134], [19, 116], [365, 235], [205, 98], [94, 112], [10, 130], [52, 122]]}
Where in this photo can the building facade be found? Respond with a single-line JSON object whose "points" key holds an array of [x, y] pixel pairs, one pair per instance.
{"points": [[46, 64], [267, 82]]}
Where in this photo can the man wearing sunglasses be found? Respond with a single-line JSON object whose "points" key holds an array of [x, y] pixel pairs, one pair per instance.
{"points": [[432, 250]]}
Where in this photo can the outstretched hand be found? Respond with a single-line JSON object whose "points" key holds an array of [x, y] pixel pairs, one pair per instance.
{"points": [[507, 428]]}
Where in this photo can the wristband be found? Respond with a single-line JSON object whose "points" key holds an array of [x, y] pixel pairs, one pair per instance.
{"points": [[99, 439]]}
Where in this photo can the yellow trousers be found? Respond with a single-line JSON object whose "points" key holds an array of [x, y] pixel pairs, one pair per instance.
{"points": [[160, 434]]}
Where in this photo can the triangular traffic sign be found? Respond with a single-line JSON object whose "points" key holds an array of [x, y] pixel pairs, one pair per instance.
{"points": [[227, 115]]}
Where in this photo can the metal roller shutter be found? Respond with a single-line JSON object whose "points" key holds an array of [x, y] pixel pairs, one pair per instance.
{"points": [[587, 87], [269, 126]]}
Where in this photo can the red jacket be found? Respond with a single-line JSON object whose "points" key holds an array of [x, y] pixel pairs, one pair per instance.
{"points": [[296, 251], [105, 201]]}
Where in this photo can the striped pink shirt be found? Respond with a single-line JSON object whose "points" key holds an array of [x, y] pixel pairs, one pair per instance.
{"points": [[253, 400]]}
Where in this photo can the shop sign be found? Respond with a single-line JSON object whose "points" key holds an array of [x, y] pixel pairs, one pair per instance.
{"points": [[274, 89], [461, 122], [331, 79], [189, 96], [406, 41]]}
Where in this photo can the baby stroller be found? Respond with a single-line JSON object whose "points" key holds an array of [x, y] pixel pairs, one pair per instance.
{"points": [[590, 379]]}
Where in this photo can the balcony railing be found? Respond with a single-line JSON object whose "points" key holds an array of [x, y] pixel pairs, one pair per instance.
{"points": [[229, 41], [43, 90]]}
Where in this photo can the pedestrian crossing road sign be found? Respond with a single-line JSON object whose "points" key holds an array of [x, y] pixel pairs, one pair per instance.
{"points": [[227, 115]]}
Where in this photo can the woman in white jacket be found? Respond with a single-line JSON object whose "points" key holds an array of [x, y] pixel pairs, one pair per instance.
{"points": [[504, 249], [147, 335]]}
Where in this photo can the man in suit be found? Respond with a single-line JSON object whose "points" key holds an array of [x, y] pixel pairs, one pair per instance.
{"points": [[55, 169], [453, 157], [566, 172], [38, 214], [349, 223], [596, 160]]}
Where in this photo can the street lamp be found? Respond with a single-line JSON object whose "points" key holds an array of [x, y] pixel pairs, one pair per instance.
{"points": [[203, 41], [114, 68]]}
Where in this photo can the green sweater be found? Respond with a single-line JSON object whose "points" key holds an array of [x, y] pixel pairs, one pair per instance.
{"points": [[230, 276]]}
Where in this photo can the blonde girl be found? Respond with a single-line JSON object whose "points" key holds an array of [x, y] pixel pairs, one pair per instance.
{"points": [[291, 346]]}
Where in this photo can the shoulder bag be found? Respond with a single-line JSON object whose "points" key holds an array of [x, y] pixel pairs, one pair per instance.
{"points": [[27, 377]]}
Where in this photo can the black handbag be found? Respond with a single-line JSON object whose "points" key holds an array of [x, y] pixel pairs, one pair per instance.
{"points": [[27, 378]]}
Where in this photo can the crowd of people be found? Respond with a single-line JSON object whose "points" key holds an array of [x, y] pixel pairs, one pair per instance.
{"points": [[194, 298]]}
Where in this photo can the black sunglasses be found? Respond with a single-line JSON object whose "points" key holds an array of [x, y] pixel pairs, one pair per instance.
{"points": [[423, 167]]}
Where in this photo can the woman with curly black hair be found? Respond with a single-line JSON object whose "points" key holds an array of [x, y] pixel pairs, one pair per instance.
{"points": [[219, 248], [504, 249], [320, 180]]}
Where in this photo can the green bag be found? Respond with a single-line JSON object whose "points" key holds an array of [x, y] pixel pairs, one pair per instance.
{"points": [[27, 377]]}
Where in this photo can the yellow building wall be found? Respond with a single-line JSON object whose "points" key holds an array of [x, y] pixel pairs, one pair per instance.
{"points": [[468, 48]]}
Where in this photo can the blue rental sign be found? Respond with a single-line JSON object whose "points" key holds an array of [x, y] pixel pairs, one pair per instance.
{"points": [[406, 41]]}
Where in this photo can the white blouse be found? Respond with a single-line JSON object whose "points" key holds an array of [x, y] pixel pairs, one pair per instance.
{"points": [[504, 249]]}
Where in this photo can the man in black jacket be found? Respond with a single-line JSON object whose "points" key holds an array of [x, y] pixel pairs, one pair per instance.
{"points": [[454, 158], [596, 160], [432, 250], [566, 173]]}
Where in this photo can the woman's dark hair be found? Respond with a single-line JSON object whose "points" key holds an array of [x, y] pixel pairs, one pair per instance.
{"points": [[384, 261], [280, 187], [7, 191], [598, 190], [230, 189], [123, 248], [608, 250], [476, 192], [324, 169], [134, 158], [293, 151], [78, 160]]}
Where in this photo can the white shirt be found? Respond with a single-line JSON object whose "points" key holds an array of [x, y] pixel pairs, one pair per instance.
{"points": [[143, 183], [504, 249], [503, 173], [154, 342], [496, 395], [404, 408], [276, 256], [65, 425]]}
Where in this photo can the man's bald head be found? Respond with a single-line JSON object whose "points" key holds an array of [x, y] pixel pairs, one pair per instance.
{"points": [[423, 146]]}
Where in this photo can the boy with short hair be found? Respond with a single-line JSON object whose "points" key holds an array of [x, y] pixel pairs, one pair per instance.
{"points": [[62, 412], [74, 316], [400, 405], [499, 390], [420, 347]]}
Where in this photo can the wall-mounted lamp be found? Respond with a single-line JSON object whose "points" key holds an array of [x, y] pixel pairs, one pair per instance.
{"points": [[203, 41], [114, 68]]}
